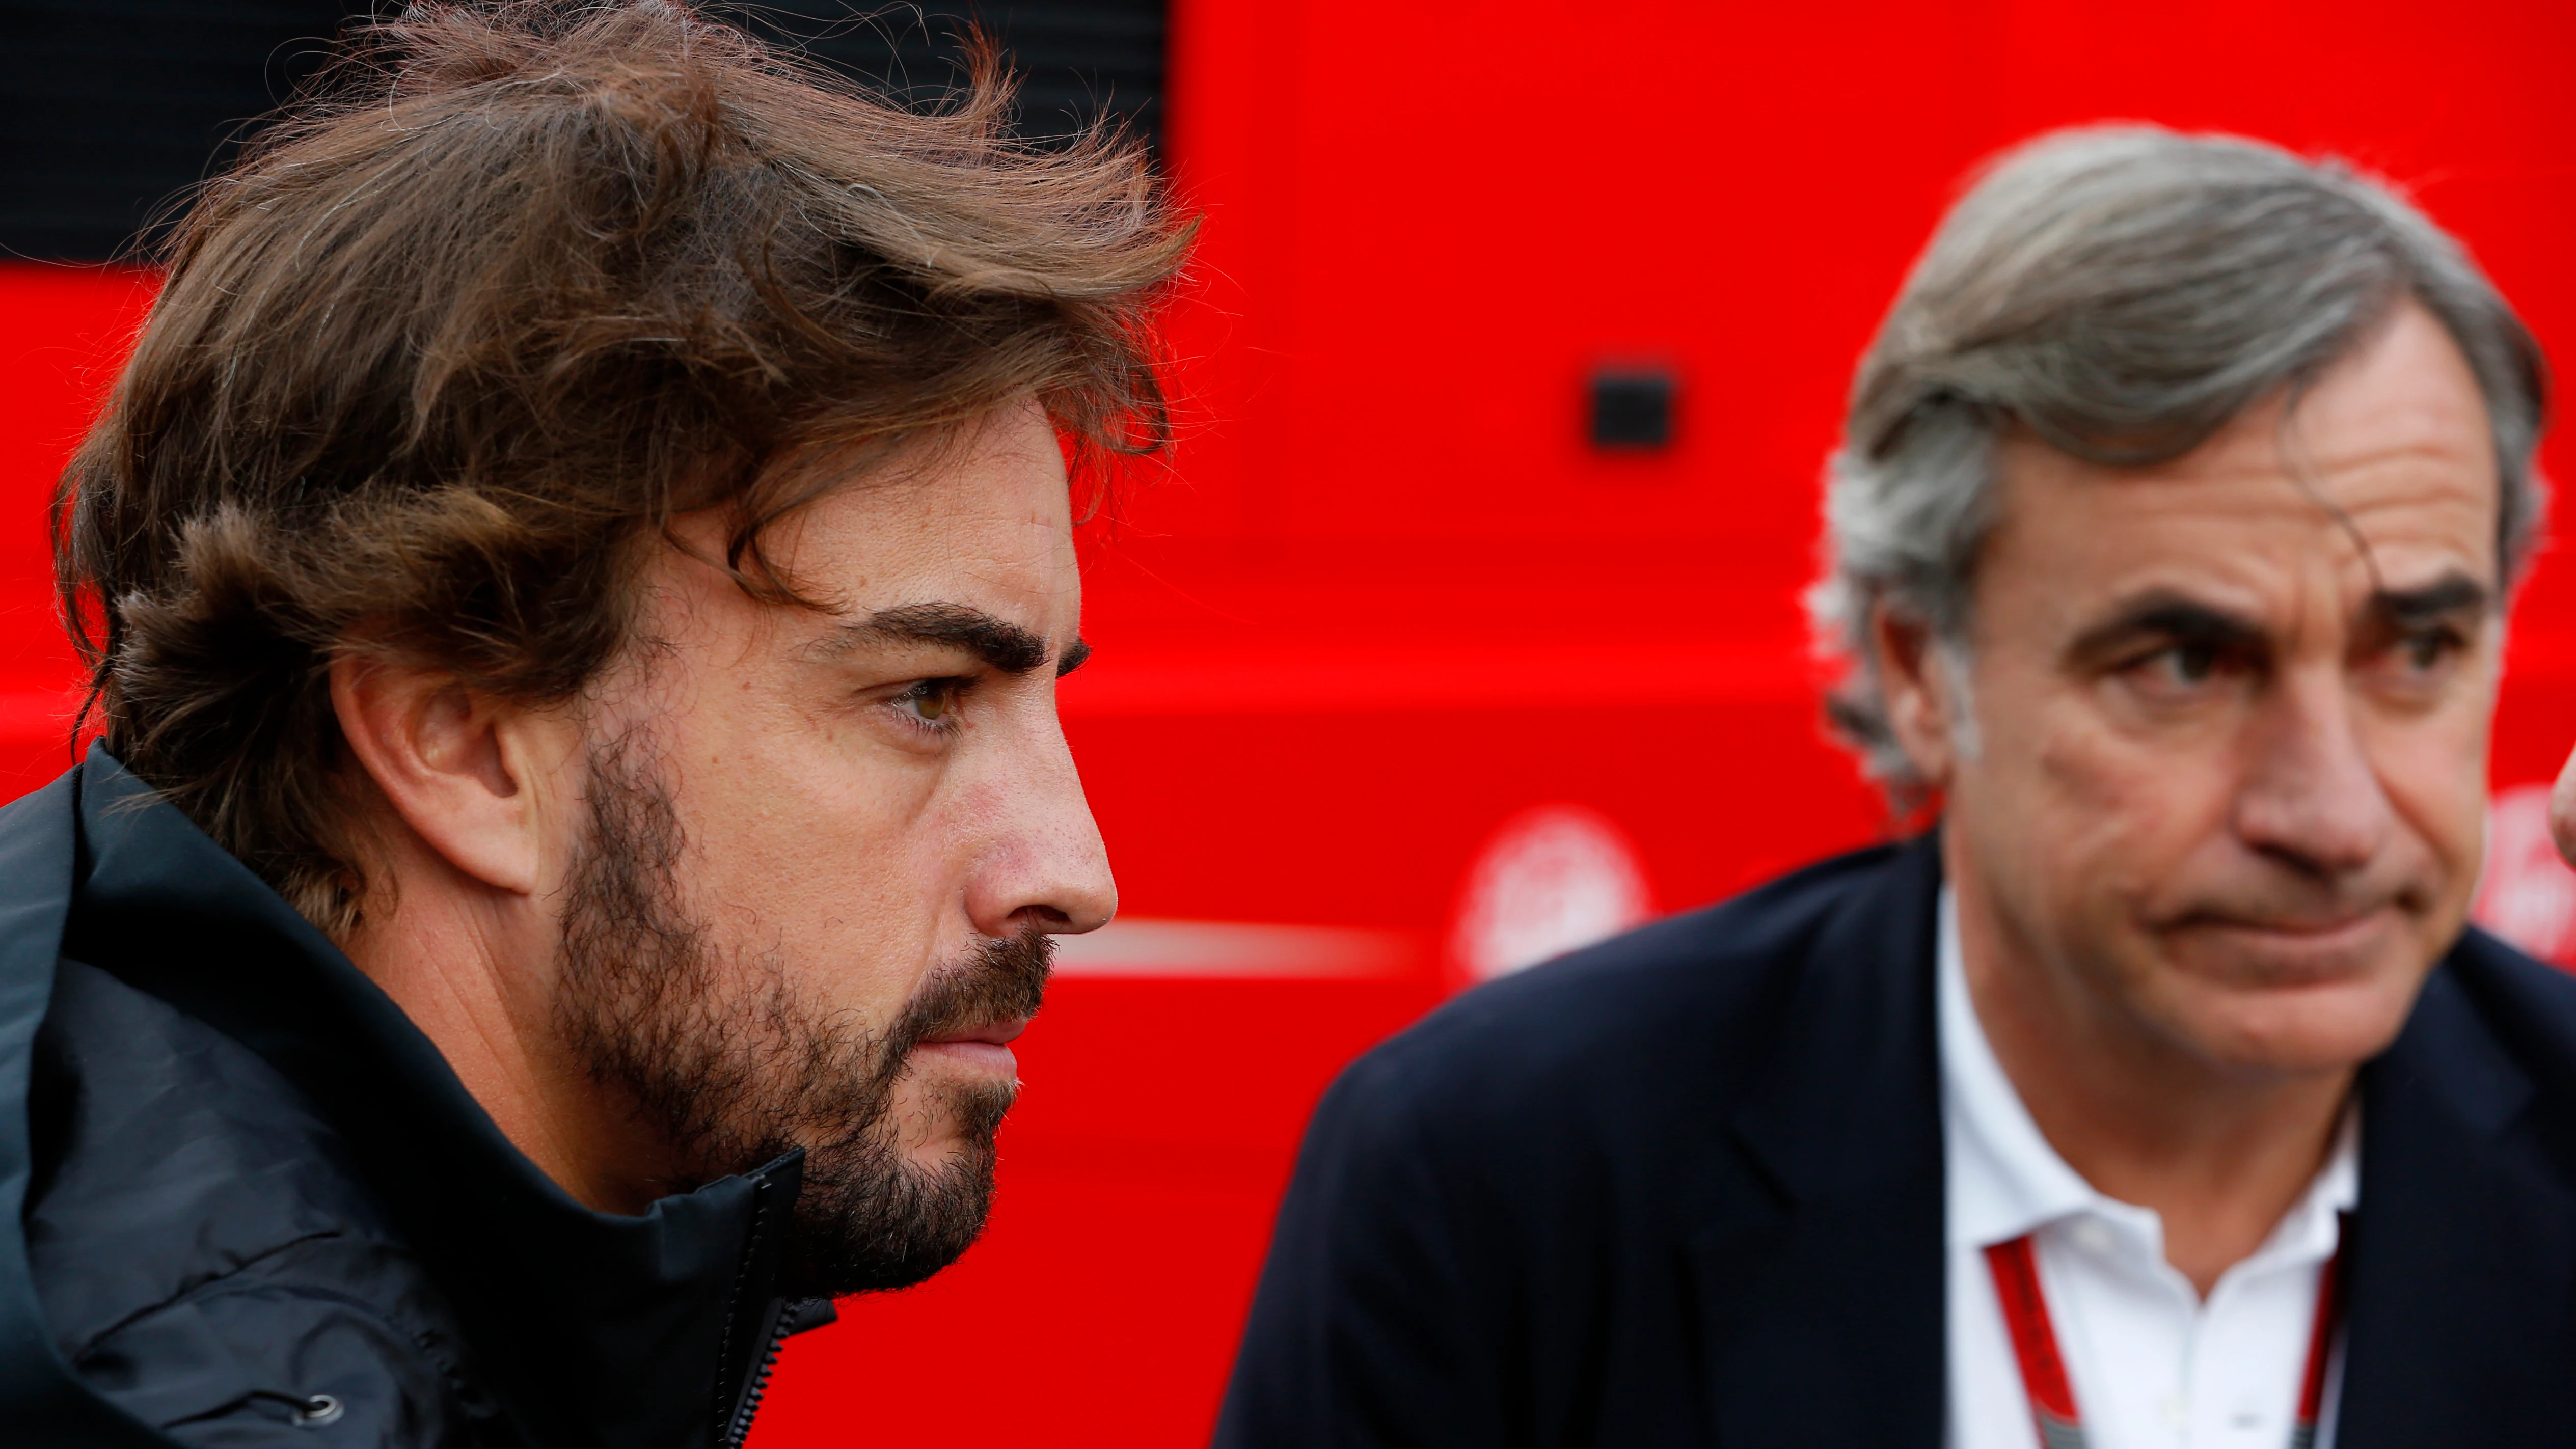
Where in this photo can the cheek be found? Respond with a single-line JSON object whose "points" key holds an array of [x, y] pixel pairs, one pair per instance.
{"points": [[2434, 771], [801, 860], [2091, 811]]}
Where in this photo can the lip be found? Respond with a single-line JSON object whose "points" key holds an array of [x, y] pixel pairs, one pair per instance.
{"points": [[2307, 950], [985, 1048], [998, 1033], [2310, 931]]}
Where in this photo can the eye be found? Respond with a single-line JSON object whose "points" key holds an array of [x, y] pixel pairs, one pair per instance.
{"points": [[2191, 663], [930, 703], [2184, 664], [2423, 660], [2188, 671], [2429, 649]]}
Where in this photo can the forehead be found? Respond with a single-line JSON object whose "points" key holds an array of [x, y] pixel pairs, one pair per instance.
{"points": [[981, 520], [981, 513], [2389, 448]]}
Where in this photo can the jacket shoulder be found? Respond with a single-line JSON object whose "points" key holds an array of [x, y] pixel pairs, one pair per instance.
{"points": [[1484, 1238], [205, 1255], [2528, 1006], [1671, 1011]]}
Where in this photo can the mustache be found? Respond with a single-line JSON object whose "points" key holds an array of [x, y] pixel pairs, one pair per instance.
{"points": [[1003, 980]]}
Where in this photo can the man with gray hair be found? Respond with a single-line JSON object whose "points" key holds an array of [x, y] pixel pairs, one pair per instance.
{"points": [[2159, 1094]]}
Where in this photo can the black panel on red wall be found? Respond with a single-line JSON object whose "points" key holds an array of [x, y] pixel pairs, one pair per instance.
{"points": [[111, 108], [1075, 58]]}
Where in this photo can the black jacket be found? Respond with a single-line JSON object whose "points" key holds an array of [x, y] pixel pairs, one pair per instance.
{"points": [[1685, 1188], [249, 1204]]}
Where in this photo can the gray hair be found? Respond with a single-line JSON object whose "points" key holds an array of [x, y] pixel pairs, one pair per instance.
{"points": [[2122, 292]]}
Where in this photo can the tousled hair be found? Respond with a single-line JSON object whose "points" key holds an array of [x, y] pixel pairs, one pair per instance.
{"points": [[2122, 293], [446, 354]]}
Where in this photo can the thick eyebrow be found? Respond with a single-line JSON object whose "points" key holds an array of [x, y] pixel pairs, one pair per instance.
{"points": [[999, 643], [1074, 658], [2447, 597], [2164, 614]]}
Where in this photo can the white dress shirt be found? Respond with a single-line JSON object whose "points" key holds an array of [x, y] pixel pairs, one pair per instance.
{"points": [[2154, 1366]]}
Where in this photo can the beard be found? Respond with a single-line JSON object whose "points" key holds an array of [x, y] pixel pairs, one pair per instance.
{"points": [[722, 1059]]}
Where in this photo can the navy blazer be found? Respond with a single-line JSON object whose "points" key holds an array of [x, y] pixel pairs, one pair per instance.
{"points": [[1685, 1188]]}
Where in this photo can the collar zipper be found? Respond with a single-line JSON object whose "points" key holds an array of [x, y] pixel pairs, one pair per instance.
{"points": [[758, 1383], [784, 1320], [742, 1370]]}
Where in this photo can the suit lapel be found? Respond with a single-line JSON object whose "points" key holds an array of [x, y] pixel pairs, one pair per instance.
{"points": [[1820, 1277], [2463, 1249]]}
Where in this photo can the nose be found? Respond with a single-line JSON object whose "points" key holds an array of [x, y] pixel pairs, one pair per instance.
{"points": [[2311, 797], [1044, 867]]}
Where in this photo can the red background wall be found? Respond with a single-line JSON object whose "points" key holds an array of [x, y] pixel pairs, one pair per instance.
{"points": [[1387, 597]]}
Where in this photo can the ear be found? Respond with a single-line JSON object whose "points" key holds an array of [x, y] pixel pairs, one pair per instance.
{"points": [[455, 766], [1922, 697]]}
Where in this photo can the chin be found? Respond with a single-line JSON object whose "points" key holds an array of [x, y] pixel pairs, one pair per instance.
{"points": [[944, 1154], [2332, 1026], [956, 1115], [947, 1141]]}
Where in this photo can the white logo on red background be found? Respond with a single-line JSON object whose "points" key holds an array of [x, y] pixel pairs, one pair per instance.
{"points": [[1552, 879]]}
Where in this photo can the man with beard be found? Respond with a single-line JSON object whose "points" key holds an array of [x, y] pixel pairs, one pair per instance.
{"points": [[574, 575], [2158, 1094]]}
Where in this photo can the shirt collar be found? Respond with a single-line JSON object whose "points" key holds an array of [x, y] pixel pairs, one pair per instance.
{"points": [[2002, 1179]]}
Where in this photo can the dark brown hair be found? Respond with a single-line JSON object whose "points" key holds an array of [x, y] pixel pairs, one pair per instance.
{"points": [[465, 332]]}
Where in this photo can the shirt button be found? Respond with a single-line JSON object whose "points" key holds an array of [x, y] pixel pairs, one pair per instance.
{"points": [[2094, 1236], [2177, 1409]]}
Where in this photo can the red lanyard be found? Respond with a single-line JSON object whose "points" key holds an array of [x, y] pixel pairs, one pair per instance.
{"points": [[2043, 1367]]}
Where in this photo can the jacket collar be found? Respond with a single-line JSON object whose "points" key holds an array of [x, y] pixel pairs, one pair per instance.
{"points": [[2461, 1262], [652, 1330], [1834, 1275]]}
